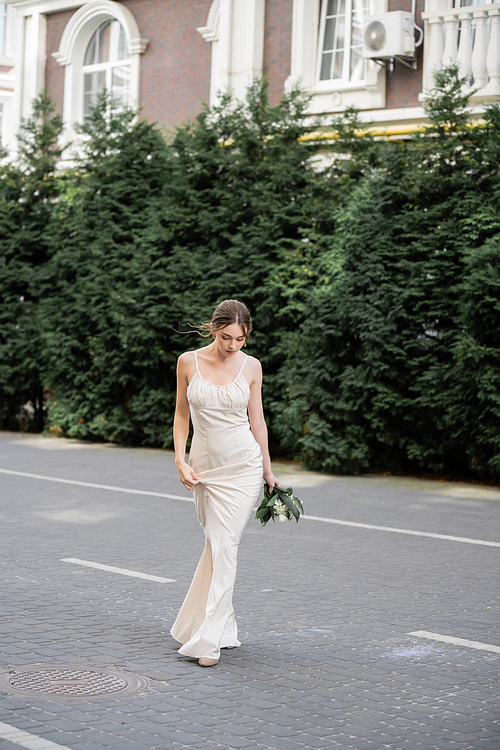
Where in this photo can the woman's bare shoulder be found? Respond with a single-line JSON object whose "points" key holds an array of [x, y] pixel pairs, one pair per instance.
{"points": [[252, 361], [253, 367], [186, 360]]}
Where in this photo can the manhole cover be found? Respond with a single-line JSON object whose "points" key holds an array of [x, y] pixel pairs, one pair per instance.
{"points": [[69, 682]]}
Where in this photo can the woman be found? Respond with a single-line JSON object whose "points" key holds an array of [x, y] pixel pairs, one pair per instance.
{"points": [[229, 457]]}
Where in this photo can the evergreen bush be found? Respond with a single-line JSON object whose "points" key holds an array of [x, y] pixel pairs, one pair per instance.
{"points": [[108, 360], [405, 336], [29, 191], [371, 268], [152, 236]]}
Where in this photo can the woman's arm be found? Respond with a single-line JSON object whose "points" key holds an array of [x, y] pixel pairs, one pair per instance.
{"points": [[181, 424], [257, 422]]}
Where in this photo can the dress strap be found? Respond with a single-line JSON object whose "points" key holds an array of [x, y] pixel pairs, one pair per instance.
{"points": [[243, 365], [196, 363]]}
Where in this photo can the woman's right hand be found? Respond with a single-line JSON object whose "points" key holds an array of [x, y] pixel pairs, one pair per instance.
{"points": [[187, 476]]}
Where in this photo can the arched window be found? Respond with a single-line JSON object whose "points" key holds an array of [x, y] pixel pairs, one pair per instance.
{"points": [[101, 47], [106, 65]]}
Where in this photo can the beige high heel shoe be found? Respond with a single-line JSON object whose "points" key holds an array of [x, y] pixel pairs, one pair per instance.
{"points": [[203, 661]]}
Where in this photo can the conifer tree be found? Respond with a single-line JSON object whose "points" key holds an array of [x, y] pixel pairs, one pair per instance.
{"points": [[372, 271], [28, 191], [108, 365], [151, 236], [399, 326]]}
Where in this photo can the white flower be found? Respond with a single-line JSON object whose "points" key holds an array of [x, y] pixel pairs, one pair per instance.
{"points": [[281, 510], [273, 507]]}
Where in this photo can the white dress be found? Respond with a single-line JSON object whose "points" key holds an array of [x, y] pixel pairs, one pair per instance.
{"points": [[227, 458]]}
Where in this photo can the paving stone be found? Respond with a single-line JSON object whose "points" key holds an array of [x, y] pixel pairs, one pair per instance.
{"points": [[326, 660], [230, 740], [282, 743], [180, 737], [318, 732]]}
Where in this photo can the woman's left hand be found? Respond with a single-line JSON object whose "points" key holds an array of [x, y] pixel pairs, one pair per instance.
{"points": [[271, 480]]}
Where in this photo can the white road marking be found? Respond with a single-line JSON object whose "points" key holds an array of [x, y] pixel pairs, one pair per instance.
{"points": [[403, 531], [26, 739], [322, 519], [456, 641], [97, 486], [122, 571]]}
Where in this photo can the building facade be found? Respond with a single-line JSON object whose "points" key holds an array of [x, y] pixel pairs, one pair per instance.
{"points": [[167, 56]]}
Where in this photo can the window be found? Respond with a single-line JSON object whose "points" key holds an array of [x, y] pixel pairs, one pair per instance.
{"points": [[326, 58], [101, 47], [106, 65], [340, 36], [3, 27]]}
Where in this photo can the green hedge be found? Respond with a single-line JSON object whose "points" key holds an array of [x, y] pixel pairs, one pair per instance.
{"points": [[373, 282], [406, 336], [27, 196]]}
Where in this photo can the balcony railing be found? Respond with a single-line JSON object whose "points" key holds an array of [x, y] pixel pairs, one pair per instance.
{"points": [[469, 36]]}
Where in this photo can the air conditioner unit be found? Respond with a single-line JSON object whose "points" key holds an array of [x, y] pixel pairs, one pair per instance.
{"points": [[389, 35]]}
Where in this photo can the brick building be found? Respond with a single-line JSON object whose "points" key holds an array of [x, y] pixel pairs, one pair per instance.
{"points": [[169, 55]]}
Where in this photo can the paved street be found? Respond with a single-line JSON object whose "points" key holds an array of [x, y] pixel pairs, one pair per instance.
{"points": [[325, 610]]}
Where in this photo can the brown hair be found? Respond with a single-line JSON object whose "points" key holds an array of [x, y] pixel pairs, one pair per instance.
{"points": [[225, 314]]}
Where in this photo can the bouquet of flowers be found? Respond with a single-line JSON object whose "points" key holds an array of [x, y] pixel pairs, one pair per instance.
{"points": [[279, 504]]}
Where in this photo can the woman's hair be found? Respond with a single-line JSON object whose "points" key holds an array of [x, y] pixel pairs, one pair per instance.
{"points": [[225, 314]]}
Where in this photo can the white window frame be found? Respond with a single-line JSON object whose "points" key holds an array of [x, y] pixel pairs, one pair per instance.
{"points": [[344, 80], [74, 41], [7, 58], [8, 80], [333, 95], [109, 66], [6, 132], [3, 38]]}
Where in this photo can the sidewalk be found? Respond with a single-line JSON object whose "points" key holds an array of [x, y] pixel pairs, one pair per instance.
{"points": [[325, 611]]}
